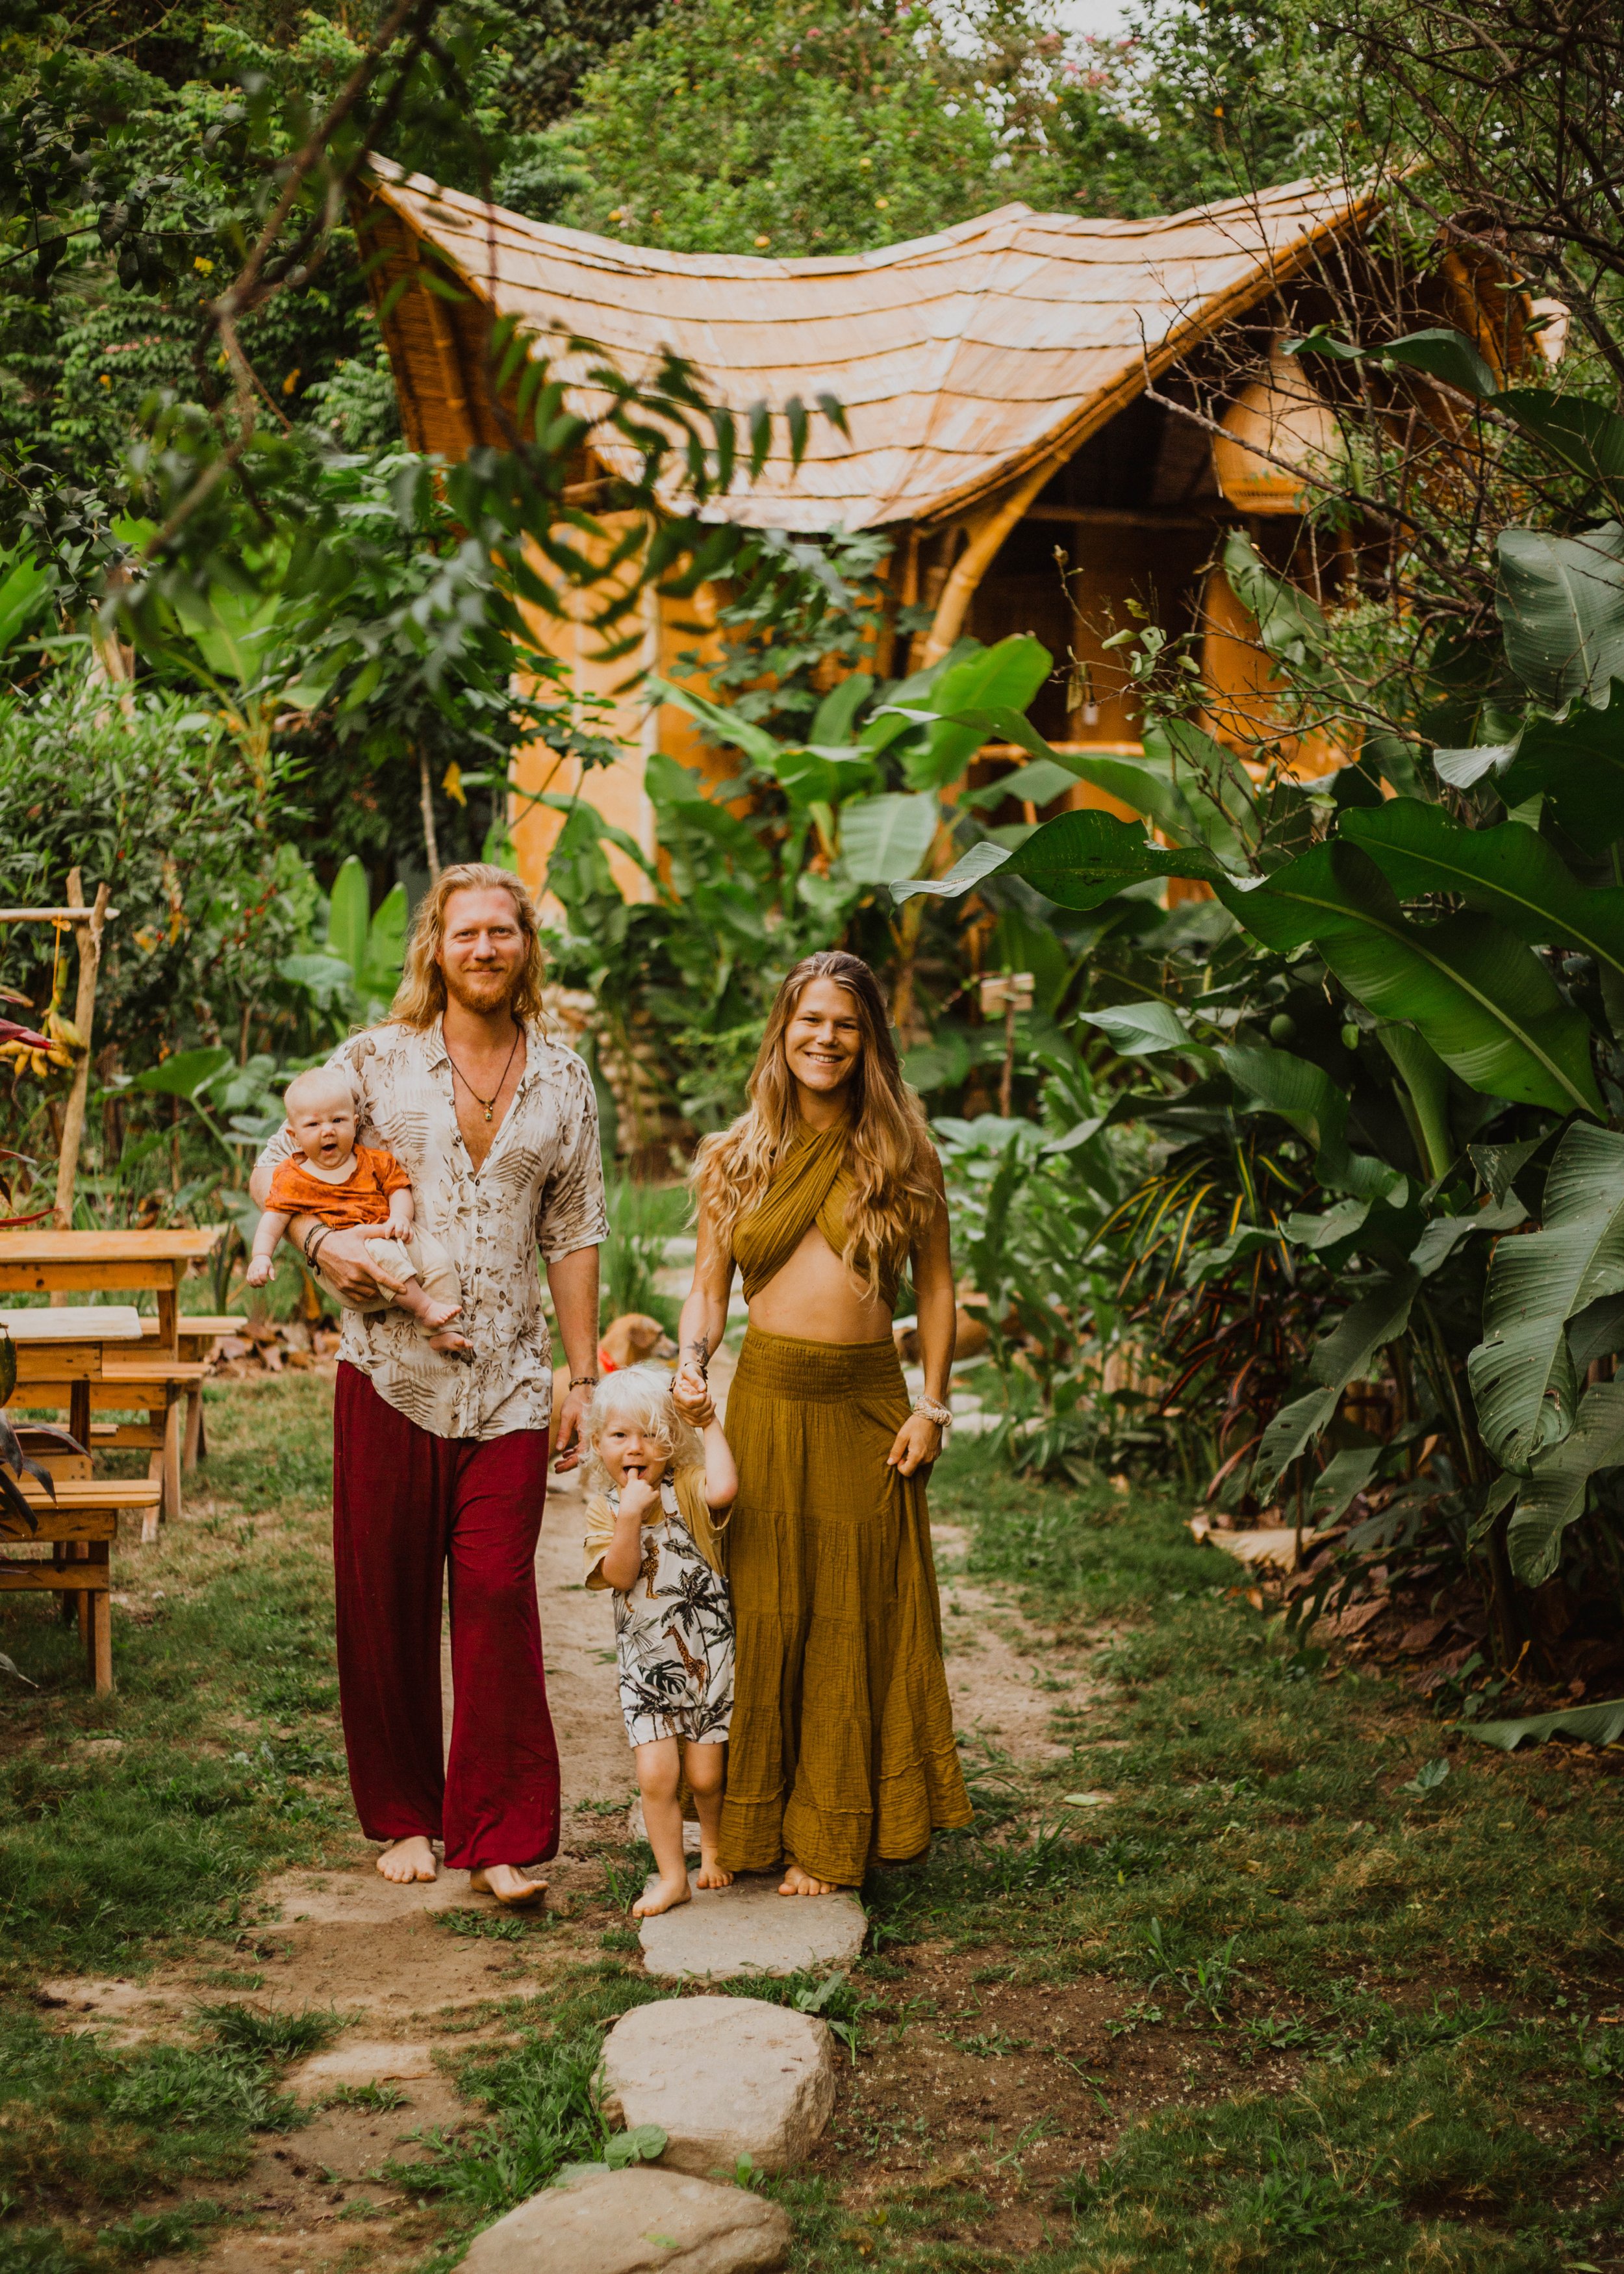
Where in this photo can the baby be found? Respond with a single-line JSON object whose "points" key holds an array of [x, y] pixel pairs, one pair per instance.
{"points": [[654, 1482], [343, 1185]]}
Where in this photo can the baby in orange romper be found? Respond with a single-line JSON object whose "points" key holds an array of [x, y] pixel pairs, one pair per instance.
{"points": [[344, 1185]]}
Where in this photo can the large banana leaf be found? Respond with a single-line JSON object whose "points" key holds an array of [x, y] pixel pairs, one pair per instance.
{"points": [[885, 838], [1561, 607], [1304, 1095], [1554, 1495], [1585, 434], [807, 775], [1509, 871], [1077, 860], [22, 595], [348, 914], [1488, 1007], [1522, 1374], [1486, 1004], [1601, 1724], [1005, 677], [1440, 353], [1577, 762], [187, 1073]]}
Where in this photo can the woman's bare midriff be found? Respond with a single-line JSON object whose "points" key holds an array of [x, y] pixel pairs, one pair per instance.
{"points": [[813, 1299]]}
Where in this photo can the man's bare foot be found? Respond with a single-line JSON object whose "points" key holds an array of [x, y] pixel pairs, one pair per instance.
{"points": [[710, 1873], [406, 1860], [665, 1896], [796, 1882], [447, 1341], [506, 1882]]}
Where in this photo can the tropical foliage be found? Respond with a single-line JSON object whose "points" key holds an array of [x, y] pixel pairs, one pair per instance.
{"points": [[1418, 995]]}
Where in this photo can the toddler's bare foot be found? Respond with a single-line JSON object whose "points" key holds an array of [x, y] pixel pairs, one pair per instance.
{"points": [[710, 1873], [665, 1896], [506, 1882], [796, 1882], [438, 1314], [447, 1341], [406, 1860]]}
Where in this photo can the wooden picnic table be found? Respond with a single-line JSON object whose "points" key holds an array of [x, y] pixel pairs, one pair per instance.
{"points": [[107, 1263], [83, 1349]]}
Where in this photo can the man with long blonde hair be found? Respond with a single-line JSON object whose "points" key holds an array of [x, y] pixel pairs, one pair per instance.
{"points": [[441, 1459]]}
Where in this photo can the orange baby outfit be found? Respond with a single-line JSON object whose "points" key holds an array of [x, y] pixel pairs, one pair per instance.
{"points": [[363, 1197]]}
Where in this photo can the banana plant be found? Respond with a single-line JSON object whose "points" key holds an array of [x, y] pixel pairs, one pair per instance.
{"points": [[1471, 943]]}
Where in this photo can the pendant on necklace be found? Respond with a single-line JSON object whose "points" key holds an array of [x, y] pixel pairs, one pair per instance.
{"points": [[487, 1114]]}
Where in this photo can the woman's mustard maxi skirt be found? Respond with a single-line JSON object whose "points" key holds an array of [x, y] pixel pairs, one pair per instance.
{"points": [[842, 1750]]}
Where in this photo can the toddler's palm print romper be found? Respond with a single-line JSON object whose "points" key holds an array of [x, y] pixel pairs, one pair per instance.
{"points": [[675, 1637]]}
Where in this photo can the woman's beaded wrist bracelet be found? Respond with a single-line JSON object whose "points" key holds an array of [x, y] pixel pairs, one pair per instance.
{"points": [[934, 1411]]}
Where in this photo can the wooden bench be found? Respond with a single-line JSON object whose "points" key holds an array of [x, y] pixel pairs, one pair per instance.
{"points": [[148, 1383], [197, 1332], [79, 1527]]}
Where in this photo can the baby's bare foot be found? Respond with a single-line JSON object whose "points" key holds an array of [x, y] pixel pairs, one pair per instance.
{"points": [[664, 1895], [507, 1882], [438, 1314], [406, 1860], [447, 1341], [710, 1873]]}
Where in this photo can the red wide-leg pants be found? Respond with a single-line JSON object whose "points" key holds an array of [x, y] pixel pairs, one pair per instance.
{"points": [[406, 1504]]}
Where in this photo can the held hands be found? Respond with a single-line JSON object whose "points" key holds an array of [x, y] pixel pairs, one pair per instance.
{"points": [[566, 1441], [917, 1444], [690, 1394]]}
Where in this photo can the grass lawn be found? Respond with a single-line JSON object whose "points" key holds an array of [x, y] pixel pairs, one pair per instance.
{"points": [[1270, 1992]]}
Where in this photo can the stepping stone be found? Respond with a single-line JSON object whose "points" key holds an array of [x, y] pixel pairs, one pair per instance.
{"points": [[751, 1928], [360, 2063], [596, 2221], [722, 2077]]}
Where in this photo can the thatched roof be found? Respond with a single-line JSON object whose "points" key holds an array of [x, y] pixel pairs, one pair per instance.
{"points": [[964, 360]]}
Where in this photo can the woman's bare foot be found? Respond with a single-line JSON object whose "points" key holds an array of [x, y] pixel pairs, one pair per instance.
{"points": [[665, 1896], [710, 1873], [796, 1882], [406, 1860], [506, 1882]]}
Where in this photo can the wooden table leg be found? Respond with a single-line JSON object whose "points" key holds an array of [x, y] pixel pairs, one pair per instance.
{"points": [[194, 1448], [79, 1411], [99, 1627], [169, 1506]]}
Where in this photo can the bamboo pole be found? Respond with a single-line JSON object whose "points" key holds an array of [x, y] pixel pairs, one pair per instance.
{"points": [[91, 926]]}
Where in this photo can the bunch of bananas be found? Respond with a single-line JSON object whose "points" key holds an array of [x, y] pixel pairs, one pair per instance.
{"points": [[26, 1051]]}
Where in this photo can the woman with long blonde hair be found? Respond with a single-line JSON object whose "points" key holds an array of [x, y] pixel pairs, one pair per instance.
{"points": [[822, 1194]]}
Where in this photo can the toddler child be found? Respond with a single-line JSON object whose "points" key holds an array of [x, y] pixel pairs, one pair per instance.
{"points": [[344, 1184], [654, 1481]]}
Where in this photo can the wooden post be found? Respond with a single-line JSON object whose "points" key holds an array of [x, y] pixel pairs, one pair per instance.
{"points": [[87, 938]]}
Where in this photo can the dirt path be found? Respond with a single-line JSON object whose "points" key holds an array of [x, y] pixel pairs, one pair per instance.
{"points": [[417, 1971]]}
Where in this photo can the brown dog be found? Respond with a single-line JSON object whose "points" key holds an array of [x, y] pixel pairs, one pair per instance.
{"points": [[626, 1341]]}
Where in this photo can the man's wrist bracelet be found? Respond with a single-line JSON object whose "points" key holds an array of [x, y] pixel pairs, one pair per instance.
{"points": [[583, 1382], [933, 1409], [312, 1242]]}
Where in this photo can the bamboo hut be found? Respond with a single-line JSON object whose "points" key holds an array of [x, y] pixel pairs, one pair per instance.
{"points": [[993, 379]]}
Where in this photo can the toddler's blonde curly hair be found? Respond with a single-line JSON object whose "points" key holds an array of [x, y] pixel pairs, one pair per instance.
{"points": [[642, 1394]]}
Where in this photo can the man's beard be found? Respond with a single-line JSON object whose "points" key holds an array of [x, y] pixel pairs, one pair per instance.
{"points": [[483, 991]]}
